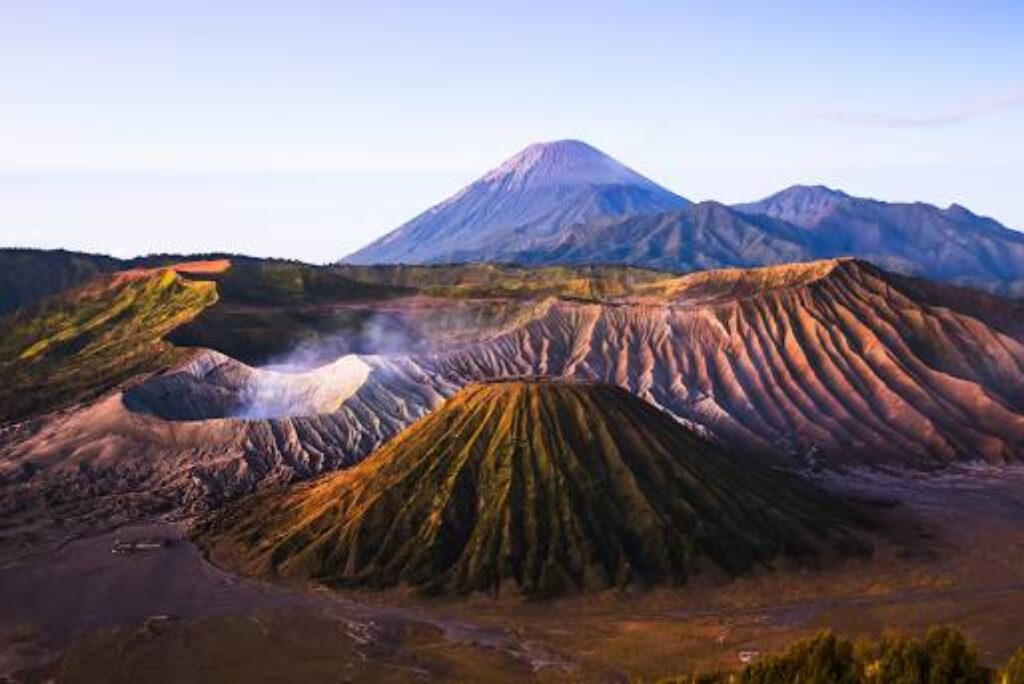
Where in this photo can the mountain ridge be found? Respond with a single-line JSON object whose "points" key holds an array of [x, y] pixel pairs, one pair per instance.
{"points": [[629, 223]]}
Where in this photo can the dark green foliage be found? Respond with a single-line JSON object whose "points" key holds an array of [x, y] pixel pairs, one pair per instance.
{"points": [[944, 656], [1014, 672], [272, 282], [509, 280], [825, 659], [951, 658]]}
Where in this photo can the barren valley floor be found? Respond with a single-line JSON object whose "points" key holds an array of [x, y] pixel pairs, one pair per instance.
{"points": [[952, 553]]}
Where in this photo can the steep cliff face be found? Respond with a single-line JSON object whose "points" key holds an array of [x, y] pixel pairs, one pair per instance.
{"points": [[830, 362]]}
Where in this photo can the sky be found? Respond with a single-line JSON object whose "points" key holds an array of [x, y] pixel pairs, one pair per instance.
{"points": [[305, 129]]}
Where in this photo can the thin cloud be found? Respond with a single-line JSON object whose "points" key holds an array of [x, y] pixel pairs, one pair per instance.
{"points": [[974, 110]]}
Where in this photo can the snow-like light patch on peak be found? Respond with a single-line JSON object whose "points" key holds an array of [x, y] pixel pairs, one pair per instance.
{"points": [[562, 163]]}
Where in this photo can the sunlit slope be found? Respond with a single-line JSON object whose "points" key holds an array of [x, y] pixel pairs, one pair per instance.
{"points": [[532, 487], [837, 359], [832, 363], [77, 345]]}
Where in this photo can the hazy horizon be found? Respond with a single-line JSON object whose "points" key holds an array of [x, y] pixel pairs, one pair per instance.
{"points": [[306, 130]]}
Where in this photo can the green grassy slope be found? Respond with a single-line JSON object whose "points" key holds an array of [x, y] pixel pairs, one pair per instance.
{"points": [[77, 345], [507, 280], [531, 487]]}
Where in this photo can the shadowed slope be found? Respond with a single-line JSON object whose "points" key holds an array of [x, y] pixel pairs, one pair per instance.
{"points": [[535, 487], [696, 237], [951, 244], [28, 275]]}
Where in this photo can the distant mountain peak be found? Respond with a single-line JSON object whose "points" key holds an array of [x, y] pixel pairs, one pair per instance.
{"points": [[803, 205], [960, 210], [816, 190], [536, 196], [808, 195], [562, 163]]}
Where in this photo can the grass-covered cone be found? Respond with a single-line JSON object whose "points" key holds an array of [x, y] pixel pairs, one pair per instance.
{"points": [[533, 487]]}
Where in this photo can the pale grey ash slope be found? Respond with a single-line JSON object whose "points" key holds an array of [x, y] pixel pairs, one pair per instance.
{"points": [[528, 201]]}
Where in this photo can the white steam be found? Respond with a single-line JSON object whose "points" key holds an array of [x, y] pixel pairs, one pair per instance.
{"points": [[279, 394]]}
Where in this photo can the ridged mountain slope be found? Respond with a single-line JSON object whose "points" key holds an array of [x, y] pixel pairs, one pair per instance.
{"points": [[831, 362], [535, 487], [838, 360], [952, 244], [800, 224]]}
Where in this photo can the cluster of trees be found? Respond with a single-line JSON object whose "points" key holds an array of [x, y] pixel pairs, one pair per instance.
{"points": [[944, 656]]}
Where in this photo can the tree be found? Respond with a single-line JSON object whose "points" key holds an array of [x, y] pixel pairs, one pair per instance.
{"points": [[823, 659], [1014, 672]]}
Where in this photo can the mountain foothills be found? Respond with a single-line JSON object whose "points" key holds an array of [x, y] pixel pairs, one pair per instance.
{"points": [[537, 487], [830, 363], [949, 244], [567, 203]]}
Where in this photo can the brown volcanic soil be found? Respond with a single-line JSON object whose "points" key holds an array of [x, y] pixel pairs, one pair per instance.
{"points": [[956, 559], [165, 614]]}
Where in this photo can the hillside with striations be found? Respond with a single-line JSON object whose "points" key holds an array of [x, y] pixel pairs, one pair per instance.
{"points": [[532, 487], [829, 363]]}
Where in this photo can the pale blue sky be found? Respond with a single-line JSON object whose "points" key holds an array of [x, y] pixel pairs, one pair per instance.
{"points": [[305, 129]]}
